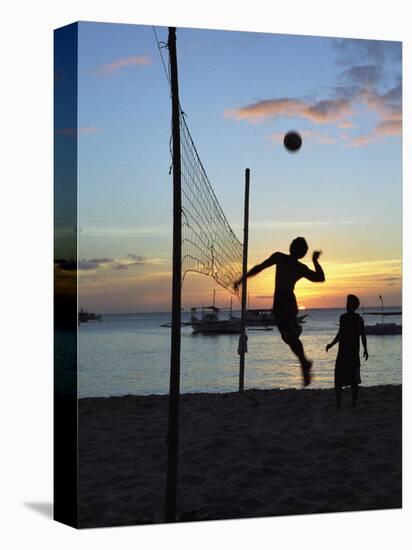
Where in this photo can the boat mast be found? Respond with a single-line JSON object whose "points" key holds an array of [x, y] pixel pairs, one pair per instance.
{"points": [[380, 298]]}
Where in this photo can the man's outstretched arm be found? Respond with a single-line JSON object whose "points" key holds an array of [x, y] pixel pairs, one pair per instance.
{"points": [[317, 275], [272, 260]]}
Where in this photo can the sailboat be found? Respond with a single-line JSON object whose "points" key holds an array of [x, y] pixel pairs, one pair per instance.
{"points": [[383, 329], [210, 323], [263, 317], [85, 316]]}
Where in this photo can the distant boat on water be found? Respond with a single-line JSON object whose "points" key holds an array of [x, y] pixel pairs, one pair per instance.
{"points": [[169, 324], [206, 319], [209, 323], [85, 316], [264, 318], [383, 329]]}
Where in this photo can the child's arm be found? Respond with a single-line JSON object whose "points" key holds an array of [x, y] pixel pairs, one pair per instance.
{"points": [[334, 341], [364, 341]]}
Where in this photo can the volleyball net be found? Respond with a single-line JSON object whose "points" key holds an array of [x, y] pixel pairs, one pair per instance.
{"points": [[209, 245]]}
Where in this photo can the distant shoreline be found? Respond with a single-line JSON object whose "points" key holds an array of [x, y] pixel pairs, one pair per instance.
{"points": [[342, 308]]}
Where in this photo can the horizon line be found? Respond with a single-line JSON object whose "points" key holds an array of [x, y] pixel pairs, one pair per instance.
{"points": [[234, 309]]}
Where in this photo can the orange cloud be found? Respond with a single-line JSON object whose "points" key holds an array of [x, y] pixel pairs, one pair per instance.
{"points": [[133, 60], [361, 141], [346, 124], [389, 128], [322, 112], [387, 106]]}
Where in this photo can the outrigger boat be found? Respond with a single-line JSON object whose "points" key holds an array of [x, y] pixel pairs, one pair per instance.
{"points": [[265, 317], [209, 322], [169, 324], [262, 317], [85, 316], [383, 329]]}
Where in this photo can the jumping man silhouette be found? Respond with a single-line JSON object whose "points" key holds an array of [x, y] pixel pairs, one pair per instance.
{"points": [[288, 271]]}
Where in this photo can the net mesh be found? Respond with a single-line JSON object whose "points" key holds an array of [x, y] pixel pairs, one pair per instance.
{"points": [[209, 245]]}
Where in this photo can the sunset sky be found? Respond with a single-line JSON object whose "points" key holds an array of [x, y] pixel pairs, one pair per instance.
{"points": [[241, 92]]}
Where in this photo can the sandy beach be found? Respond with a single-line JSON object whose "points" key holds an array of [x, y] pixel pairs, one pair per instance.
{"points": [[261, 453]]}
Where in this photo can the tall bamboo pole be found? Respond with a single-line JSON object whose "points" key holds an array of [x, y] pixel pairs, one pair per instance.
{"points": [[243, 335], [174, 389]]}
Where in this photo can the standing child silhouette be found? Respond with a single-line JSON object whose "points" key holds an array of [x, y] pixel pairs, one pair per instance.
{"points": [[347, 367]]}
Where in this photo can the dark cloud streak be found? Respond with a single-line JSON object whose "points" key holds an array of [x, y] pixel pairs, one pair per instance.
{"points": [[131, 260], [378, 52]]}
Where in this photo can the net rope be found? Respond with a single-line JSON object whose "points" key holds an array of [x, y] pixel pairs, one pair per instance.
{"points": [[209, 245]]}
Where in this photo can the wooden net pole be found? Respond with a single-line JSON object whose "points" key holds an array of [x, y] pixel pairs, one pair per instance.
{"points": [[174, 388], [243, 336]]}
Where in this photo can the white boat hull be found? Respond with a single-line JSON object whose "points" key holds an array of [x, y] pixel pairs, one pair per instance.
{"points": [[217, 327], [265, 320]]}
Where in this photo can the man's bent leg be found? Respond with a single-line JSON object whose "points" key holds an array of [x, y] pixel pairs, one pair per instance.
{"points": [[296, 346]]}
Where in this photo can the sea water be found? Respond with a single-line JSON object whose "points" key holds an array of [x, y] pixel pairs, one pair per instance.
{"points": [[130, 354]]}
